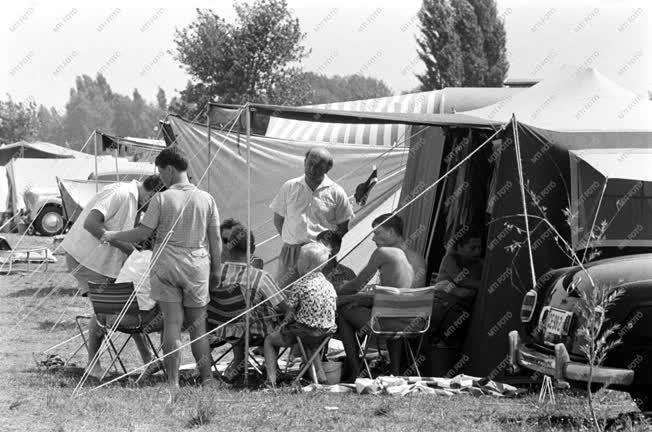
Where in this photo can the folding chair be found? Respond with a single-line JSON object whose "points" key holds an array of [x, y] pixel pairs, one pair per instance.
{"points": [[315, 356], [399, 313], [225, 305], [109, 299], [9, 257]]}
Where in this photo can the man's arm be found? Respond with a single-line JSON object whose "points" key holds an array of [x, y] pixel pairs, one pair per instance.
{"points": [[94, 224], [278, 223], [375, 263], [215, 249], [343, 228], [136, 235]]}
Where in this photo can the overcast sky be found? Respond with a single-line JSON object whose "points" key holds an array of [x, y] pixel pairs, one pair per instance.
{"points": [[46, 45]]}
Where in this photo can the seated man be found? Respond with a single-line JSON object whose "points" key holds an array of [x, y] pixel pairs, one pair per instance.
{"points": [[311, 306], [457, 283], [399, 267], [228, 300], [335, 273], [225, 232]]}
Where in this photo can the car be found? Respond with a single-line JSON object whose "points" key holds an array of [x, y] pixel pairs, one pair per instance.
{"points": [[44, 209], [551, 344]]}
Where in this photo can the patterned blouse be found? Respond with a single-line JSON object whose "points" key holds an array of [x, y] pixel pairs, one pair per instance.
{"points": [[311, 302]]}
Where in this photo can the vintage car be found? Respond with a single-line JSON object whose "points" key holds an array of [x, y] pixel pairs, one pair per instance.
{"points": [[551, 316], [44, 209]]}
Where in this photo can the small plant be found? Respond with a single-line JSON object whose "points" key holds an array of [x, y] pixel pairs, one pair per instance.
{"points": [[598, 335]]}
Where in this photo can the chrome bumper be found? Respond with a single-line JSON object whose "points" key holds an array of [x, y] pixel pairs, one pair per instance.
{"points": [[559, 365]]}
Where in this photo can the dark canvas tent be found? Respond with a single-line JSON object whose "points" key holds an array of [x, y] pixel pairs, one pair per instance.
{"points": [[573, 111]]}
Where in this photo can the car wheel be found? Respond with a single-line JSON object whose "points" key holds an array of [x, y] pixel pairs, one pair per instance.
{"points": [[49, 221], [642, 398]]}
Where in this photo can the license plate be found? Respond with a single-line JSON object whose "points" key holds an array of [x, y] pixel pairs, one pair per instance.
{"points": [[556, 322]]}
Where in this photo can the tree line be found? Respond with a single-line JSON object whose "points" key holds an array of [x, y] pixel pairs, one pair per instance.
{"points": [[257, 58]]}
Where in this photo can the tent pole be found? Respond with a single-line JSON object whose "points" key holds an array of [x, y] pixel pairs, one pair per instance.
{"points": [[247, 296], [521, 182], [208, 175], [115, 159], [95, 154]]}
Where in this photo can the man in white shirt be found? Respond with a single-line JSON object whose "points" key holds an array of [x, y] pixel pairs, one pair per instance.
{"points": [[114, 208], [304, 207]]}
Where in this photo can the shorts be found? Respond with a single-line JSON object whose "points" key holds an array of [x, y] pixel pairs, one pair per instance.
{"points": [[309, 335], [180, 275], [85, 275], [287, 272]]}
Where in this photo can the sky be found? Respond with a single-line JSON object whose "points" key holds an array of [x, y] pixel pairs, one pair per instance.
{"points": [[45, 46]]}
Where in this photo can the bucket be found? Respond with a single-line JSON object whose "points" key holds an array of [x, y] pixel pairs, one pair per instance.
{"points": [[333, 371]]}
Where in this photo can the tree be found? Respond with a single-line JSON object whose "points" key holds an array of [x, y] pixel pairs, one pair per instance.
{"points": [[462, 43], [251, 59], [439, 46], [495, 41], [323, 89], [18, 121], [161, 100], [50, 126]]}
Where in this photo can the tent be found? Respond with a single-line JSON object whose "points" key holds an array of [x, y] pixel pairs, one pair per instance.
{"points": [[75, 194], [445, 101], [576, 110], [273, 161], [40, 150]]}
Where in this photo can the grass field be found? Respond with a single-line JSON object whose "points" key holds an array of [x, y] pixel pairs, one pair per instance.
{"points": [[33, 398]]}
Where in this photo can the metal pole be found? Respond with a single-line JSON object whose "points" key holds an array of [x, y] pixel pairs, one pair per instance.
{"points": [[247, 297], [519, 166], [117, 175], [97, 185], [208, 175]]}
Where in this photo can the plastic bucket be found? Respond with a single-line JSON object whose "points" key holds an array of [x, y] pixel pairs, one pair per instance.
{"points": [[333, 371]]}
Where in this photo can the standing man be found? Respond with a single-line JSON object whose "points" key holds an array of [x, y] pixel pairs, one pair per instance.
{"points": [[306, 206], [114, 208], [188, 246]]}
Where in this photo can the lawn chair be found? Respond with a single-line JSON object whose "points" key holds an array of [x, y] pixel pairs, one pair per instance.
{"points": [[399, 313], [109, 299], [225, 305], [9, 257]]}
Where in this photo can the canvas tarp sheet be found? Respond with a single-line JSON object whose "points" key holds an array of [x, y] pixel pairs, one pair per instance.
{"points": [[275, 161], [626, 202], [75, 194], [446, 101], [40, 150], [4, 190], [42, 173]]}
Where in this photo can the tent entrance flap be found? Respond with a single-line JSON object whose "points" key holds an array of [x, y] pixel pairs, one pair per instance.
{"points": [[612, 192]]}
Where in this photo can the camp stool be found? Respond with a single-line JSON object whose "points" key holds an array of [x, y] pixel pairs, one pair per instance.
{"points": [[316, 355], [110, 299], [399, 313]]}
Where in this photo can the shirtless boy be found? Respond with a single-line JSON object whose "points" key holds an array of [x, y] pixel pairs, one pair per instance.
{"points": [[398, 266]]}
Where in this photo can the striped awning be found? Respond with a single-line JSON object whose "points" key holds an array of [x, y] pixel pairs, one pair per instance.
{"points": [[444, 101]]}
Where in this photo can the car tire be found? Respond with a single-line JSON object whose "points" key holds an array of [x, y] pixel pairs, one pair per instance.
{"points": [[643, 399], [49, 221]]}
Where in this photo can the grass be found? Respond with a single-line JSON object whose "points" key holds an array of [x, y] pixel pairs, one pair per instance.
{"points": [[38, 399]]}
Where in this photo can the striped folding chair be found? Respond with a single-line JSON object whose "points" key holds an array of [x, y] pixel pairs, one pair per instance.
{"points": [[400, 313], [108, 300]]}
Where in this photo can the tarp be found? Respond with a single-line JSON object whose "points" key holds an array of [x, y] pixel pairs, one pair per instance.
{"points": [[574, 100], [42, 173], [75, 194], [625, 204], [446, 101], [4, 190], [41, 150], [274, 161]]}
